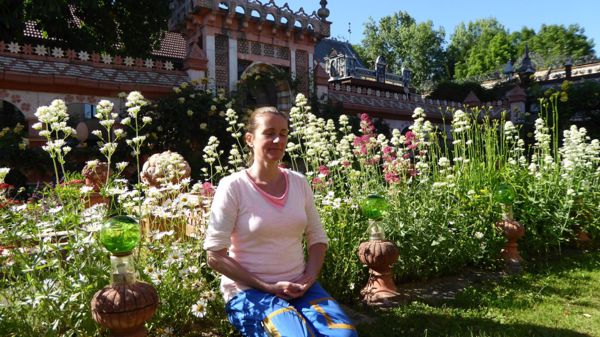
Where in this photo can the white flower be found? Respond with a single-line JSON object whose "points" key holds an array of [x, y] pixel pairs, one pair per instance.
{"points": [[119, 133], [199, 309], [104, 107], [122, 165], [92, 163], [126, 121], [86, 189], [478, 235], [160, 235], [3, 172], [55, 210]]}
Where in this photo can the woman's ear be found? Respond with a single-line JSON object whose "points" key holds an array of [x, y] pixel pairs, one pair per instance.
{"points": [[248, 138]]}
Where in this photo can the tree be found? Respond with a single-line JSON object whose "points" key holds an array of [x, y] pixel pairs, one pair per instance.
{"points": [[404, 42], [113, 26], [470, 51], [484, 46], [555, 43]]}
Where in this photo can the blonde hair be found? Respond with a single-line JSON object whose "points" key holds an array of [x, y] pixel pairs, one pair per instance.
{"points": [[251, 124]]}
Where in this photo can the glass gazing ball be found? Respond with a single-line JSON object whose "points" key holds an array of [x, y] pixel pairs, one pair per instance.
{"points": [[120, 234], [373, 206], [505, 194]]}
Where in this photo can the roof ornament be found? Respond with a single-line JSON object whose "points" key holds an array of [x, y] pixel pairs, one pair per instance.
{"points": [[323, 12]]}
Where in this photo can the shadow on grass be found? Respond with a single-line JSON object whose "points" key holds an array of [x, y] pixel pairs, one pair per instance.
{"points": [[564, 278], [431, 325]]}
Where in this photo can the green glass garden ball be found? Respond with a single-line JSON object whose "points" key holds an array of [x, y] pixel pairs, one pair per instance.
{"points": [[120, 234], [505, 194], [373, 206]]}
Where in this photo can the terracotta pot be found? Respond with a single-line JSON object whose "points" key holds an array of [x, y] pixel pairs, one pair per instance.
{"points": [[95, 176], [379, 255], [583, 238], [95, 198], [124, 308], [512, 231]]}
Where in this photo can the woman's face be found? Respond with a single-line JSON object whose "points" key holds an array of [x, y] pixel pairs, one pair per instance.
{"points": [[269, 139]]}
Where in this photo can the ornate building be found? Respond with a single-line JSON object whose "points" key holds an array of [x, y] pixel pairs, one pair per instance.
{"points": [[228, 41], [224, 41]]}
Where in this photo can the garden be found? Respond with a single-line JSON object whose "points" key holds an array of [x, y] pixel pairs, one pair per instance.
{"points": [[441, 182]]}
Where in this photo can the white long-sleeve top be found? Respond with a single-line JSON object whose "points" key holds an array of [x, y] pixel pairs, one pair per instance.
{"points": [[264, 238]]}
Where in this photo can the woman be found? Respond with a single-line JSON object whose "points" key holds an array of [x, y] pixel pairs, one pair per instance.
{"points": [[254, 239]]}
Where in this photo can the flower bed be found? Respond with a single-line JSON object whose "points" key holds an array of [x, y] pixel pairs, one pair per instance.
{"points": [[439, 182]]}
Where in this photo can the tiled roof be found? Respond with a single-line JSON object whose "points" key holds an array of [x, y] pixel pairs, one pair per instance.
{"points": [[324, 47], [171, 46], [90, 71]]}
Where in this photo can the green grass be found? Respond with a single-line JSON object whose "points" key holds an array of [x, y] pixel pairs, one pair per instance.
{"points": [[556, 298]]}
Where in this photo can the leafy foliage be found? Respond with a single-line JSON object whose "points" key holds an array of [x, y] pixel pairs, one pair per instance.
{"points": [[131, 27], [405, 43]]}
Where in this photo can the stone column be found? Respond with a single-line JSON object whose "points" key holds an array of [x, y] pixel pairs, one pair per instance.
{"points": [[233, 64], [210, 53], [293, 62], [311, 89]]}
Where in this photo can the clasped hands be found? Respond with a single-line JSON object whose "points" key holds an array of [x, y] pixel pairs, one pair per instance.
{"points": [[291, 290]]}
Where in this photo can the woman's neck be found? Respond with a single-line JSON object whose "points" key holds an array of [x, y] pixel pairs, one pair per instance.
{"points": [[264, 173]]}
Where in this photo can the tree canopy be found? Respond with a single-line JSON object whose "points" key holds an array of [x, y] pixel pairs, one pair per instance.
{"points": [[484, 46], [404, 42], [475, 48], [130, 27]]}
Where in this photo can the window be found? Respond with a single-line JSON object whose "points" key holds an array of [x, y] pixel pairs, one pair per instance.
{"points": [[89, 111]]}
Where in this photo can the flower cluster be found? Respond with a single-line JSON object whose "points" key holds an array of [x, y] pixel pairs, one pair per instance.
{"points": [[53, 126]]}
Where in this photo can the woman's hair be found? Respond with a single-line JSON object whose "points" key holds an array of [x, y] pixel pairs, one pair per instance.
{"points": [[251, 123]]}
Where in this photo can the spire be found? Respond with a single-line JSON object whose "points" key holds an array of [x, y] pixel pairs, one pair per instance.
{"points": [[527, 69]]}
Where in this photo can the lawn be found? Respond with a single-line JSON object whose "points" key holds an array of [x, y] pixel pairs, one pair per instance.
{"points": [[556, 297]]}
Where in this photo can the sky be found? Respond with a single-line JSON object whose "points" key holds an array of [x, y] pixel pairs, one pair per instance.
{"points": [[513, 14]]}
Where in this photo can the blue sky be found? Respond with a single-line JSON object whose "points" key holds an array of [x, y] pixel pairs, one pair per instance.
{"points": [[513, 14]]}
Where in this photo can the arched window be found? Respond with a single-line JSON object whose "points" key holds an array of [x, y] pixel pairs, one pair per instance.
{"points": [[270, 17], [255, 14], [224, 6], [240, 10]]}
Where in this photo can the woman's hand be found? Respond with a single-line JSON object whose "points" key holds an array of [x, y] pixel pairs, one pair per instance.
{"points": [[287, 290]]}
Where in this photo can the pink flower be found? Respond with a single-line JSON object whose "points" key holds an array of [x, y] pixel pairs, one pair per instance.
{"points": [[366, 125], [208, 190], [388, 154], [345, 163], [391, 177], [324, 170]]}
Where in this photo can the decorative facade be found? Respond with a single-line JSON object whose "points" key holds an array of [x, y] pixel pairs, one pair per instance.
{"points": [[233, 37]]}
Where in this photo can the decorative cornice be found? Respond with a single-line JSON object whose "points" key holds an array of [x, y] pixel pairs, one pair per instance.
{"points": [[282, 16], [57, 53]]}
